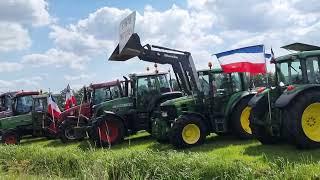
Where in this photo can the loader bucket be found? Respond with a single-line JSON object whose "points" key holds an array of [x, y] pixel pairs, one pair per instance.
{"points": [[132, 49]]}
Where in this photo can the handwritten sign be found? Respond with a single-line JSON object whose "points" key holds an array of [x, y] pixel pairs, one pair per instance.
{"points": [[126, 30]]}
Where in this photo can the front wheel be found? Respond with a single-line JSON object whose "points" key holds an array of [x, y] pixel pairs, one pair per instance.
{"points": [[187, 131], [259, 126], [67, 132], [240, 123], [302, 120], [108, 131]]}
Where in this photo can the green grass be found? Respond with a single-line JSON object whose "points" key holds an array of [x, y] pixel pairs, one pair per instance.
{"points": [[142, 158]]}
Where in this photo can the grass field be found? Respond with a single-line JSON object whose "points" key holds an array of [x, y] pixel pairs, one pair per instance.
{"points": [[142, 158]]}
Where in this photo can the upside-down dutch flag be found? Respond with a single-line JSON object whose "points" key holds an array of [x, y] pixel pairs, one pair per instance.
{"points": [[247, 59], [70, 98], [53, 108]]}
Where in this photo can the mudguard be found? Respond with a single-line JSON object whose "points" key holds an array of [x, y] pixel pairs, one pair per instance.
{"points": [[235, 99], [287, 96], [257, 97]]}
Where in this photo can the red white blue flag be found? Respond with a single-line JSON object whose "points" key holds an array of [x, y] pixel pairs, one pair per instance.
{"points": [[247, 59], [70, 99], [53, 108]]}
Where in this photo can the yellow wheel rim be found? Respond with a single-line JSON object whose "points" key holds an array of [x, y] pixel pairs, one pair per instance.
{"points": [[191, 134], [244, 120], [311, 122]]}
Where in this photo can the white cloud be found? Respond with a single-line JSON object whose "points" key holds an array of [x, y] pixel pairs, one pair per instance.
{"points": [[10, 67], [28, 83], [78, 77], [57, 58], [33, 12], [13, 37]]}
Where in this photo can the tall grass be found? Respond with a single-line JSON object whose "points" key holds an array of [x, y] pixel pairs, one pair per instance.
{"points": [[130, 163]]}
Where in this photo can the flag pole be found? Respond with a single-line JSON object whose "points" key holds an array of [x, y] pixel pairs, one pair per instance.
{"points": [[53, 121], [268, 93]]}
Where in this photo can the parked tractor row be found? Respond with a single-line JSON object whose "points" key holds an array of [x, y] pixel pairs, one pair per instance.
{"points": [[208, 101]]}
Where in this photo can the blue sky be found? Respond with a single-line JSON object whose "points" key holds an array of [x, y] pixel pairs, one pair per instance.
{"points": [[50, 43]]}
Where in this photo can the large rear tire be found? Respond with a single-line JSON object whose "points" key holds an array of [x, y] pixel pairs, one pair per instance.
{"points": [[10, 137], [240, 124], [187, 131], [302, 120], [259, 131], [108, 131]]}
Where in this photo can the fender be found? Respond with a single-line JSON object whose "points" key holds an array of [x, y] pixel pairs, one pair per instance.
{"points": [[287, 96], [235, 99], [257, 97], [191, 113]]}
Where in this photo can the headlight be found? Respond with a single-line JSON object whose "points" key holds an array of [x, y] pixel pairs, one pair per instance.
{"points": [[164, 114]]}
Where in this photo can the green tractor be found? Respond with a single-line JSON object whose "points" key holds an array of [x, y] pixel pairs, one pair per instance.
{"points": [[117, 118], [294, 100], [220, 108], [29, 117], [213, 101]]}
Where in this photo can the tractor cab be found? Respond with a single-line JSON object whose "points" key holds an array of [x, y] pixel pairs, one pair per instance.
{"points": [[147, 87], [42, 122], [105, 91], [22, 102], [6, 104], [298, 68]]}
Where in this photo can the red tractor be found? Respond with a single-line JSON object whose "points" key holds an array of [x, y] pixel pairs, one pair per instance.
{"points": [[74, 122]]}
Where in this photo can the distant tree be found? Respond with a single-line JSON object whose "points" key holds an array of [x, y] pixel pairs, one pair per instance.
{"points": [[260, 80]]}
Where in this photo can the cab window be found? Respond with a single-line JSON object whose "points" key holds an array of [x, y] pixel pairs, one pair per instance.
{"points": [[204, 83], [23, 104], [313, 72], [290, 72]]}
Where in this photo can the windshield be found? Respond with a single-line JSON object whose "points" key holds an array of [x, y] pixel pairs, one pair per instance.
{"points": [[106, 94], [157, 83], [5, 103], [23, 104], [313, 72], [290, 72], [204, 82], [227, 83], [40, 105]]}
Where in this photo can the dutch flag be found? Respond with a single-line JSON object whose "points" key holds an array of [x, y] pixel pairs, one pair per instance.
{"points": [[247, 59]]}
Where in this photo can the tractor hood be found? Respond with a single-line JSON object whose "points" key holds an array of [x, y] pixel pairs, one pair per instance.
{"points": [[14, 121], [115, 105], [178, 101]]}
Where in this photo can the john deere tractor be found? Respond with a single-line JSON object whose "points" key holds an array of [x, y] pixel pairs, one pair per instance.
{"points": [[221, 108], [5, 104], [290, 110], [74, 122], [29, 117], [197, 113]]}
